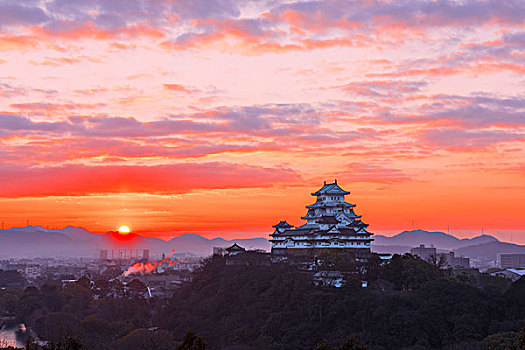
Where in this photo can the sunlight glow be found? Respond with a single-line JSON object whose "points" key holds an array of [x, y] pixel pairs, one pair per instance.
{"points": [[124, 229]]}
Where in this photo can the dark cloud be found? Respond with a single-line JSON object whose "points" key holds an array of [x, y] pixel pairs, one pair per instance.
{"points": [[475, 111], [15, 14], [456, 138], [409, 12], [479, 116], [204, 20], [10, 122]]}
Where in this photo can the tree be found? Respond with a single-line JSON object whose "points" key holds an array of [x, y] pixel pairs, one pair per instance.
{"points": [[351, 344], [145, 339], [102, 287], [438, 260], [136, 287], [521, 339], [192, 342], [68, 342], [339, 261], [55, 326], [96, 333], [348, 344], [9, 299], [500, 341], [78, 298], [84, 281], [11, 278], [408, 272], [324, 345], [53, 297]]}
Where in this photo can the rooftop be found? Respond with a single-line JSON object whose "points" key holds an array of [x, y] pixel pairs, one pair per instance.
{"points": [[332, 188], [517, 271], [283, 224], [235, 247]]}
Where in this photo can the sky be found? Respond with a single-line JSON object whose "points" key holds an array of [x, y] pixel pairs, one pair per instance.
{"points": [[221, 117]]}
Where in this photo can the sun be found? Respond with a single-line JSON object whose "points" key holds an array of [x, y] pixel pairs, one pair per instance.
{"points": [[124, 229]]}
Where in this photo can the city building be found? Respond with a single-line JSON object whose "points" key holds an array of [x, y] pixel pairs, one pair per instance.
{"points": [[511, 261], [442, 260], [31, 272], [104, 254], [457, 261], [423, 252], [331, 225]]}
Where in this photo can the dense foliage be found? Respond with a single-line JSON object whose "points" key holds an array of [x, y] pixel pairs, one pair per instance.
{"points": [[408, 304]]}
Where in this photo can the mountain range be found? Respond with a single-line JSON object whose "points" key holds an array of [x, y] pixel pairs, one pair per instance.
{"points": [[484, 247], [36, 241]]}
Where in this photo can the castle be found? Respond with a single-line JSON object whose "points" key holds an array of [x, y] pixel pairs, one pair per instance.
{"points": [[331, 225]]}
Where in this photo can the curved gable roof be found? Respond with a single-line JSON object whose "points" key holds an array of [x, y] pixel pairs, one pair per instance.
{"points": [[332, 188]]}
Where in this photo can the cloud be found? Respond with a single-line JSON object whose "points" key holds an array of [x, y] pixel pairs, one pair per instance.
{"points": [[9, 90], [78, 180], [326, 14], [118, 12], [11, 122], [477, 115], [14, 14], [261, 120], [70, 30], [9, 42], [473, 112], [460, 139], [278, 26], [383, 88], [179, 88]]}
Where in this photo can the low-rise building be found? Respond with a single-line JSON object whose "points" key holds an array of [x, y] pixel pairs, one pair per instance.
{"points": [[442, 260], [237, 255], [511, 261], [458, 261], [31, 272], [423, 252], [512, 274]]}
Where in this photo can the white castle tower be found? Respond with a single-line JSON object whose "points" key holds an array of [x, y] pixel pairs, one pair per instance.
{"points": [[331, 223]]}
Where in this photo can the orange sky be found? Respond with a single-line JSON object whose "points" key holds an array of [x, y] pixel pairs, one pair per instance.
{"points": [[222, 117]]}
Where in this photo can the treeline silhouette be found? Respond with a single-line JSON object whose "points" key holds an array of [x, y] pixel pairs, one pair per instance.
{"points": [[408, 304]]}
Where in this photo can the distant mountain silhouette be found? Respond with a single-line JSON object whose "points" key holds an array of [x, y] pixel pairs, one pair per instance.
{"points": [[202, 246], [480, 247], [489, 250], [440, 240], [37, 241]]}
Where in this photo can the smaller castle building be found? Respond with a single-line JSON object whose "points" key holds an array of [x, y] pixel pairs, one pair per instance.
{"points": [[331, 225]]}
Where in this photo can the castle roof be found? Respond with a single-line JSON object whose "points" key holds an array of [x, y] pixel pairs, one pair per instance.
{"points": [[332, 188], [313, 229], [353, 214], [350, 233], [283, 224], [323, 204], [235, 247]]}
